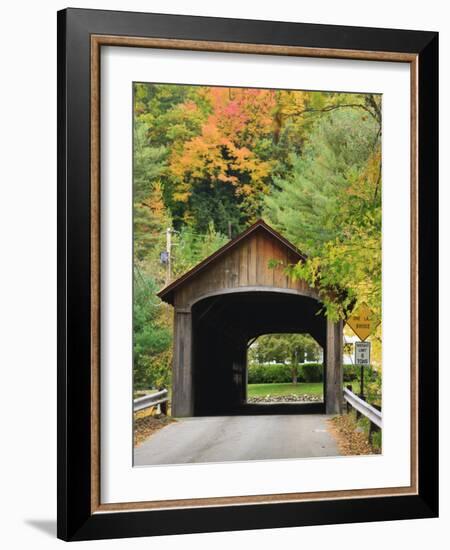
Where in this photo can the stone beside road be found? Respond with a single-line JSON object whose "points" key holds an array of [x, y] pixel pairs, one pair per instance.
{"points": [[291, 398]]}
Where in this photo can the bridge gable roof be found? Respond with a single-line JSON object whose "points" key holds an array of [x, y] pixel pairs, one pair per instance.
{"points": [[168, 293]]}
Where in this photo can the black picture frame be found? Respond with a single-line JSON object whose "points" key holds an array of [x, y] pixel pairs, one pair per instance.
{"points": [[76, 521]]}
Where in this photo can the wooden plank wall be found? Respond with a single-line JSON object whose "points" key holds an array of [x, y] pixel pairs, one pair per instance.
{"points": [[245, 265]]}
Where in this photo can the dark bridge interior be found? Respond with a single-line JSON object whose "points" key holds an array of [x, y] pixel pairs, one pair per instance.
{"points": [[223, 325]]}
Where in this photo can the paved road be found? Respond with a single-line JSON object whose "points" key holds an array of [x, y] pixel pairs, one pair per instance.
{"points": [[225, 438]]}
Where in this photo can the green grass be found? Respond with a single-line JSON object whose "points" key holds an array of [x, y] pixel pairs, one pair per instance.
{"points": [[260, 390], [374, 399], [364, 423]]}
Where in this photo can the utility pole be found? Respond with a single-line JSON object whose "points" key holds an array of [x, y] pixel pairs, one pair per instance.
{"points": [[169, 255], [229, 230]]}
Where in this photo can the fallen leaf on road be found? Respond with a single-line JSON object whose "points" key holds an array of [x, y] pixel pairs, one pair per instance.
{"points": [[146, 425]]}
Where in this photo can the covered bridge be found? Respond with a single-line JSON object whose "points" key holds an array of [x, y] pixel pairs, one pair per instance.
{"points": [[227, 300]]}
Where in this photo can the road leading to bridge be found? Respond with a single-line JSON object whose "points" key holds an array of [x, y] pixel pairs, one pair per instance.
{"points": [[237, 438]]}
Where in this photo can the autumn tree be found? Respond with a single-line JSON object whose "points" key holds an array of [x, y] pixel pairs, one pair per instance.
{"points": [[330, 207], [219, 171], [207, 158]]}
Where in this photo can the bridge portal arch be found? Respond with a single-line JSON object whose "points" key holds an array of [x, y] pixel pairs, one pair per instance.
{"points": [[238, 293]]}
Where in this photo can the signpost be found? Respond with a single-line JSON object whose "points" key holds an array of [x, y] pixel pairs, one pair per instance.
{"points": [[362, 354], [363, 325], [362, 358]]}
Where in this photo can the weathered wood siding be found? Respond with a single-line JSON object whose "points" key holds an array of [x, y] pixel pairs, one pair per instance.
{"points": [[334, 373], [210, 350], [245, 265]]}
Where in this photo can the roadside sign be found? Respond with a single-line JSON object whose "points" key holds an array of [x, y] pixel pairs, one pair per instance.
{"points": [[362, 354], [362, 323]]}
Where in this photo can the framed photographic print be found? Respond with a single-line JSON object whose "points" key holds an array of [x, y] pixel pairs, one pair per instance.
{"points": [[247, 274]]}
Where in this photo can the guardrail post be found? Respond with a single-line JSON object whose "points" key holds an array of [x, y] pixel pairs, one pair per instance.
{"points": [[163, 407], [371, 430], [373, 427], [372, 412]]}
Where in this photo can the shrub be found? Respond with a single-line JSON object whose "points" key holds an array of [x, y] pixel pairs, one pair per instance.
{"points": [[282, 374], [351, 372], [269, 374], [312, 372]]}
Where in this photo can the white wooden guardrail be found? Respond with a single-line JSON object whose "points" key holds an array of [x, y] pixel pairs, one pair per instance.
{"points": [[151, 400], [373, 414]]}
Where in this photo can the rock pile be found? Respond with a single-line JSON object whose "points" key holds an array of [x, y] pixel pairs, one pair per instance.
{"points": [[290, 398]]}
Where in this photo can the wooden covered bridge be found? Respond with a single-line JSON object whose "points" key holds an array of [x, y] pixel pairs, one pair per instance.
{"points": [[227, 300]]}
